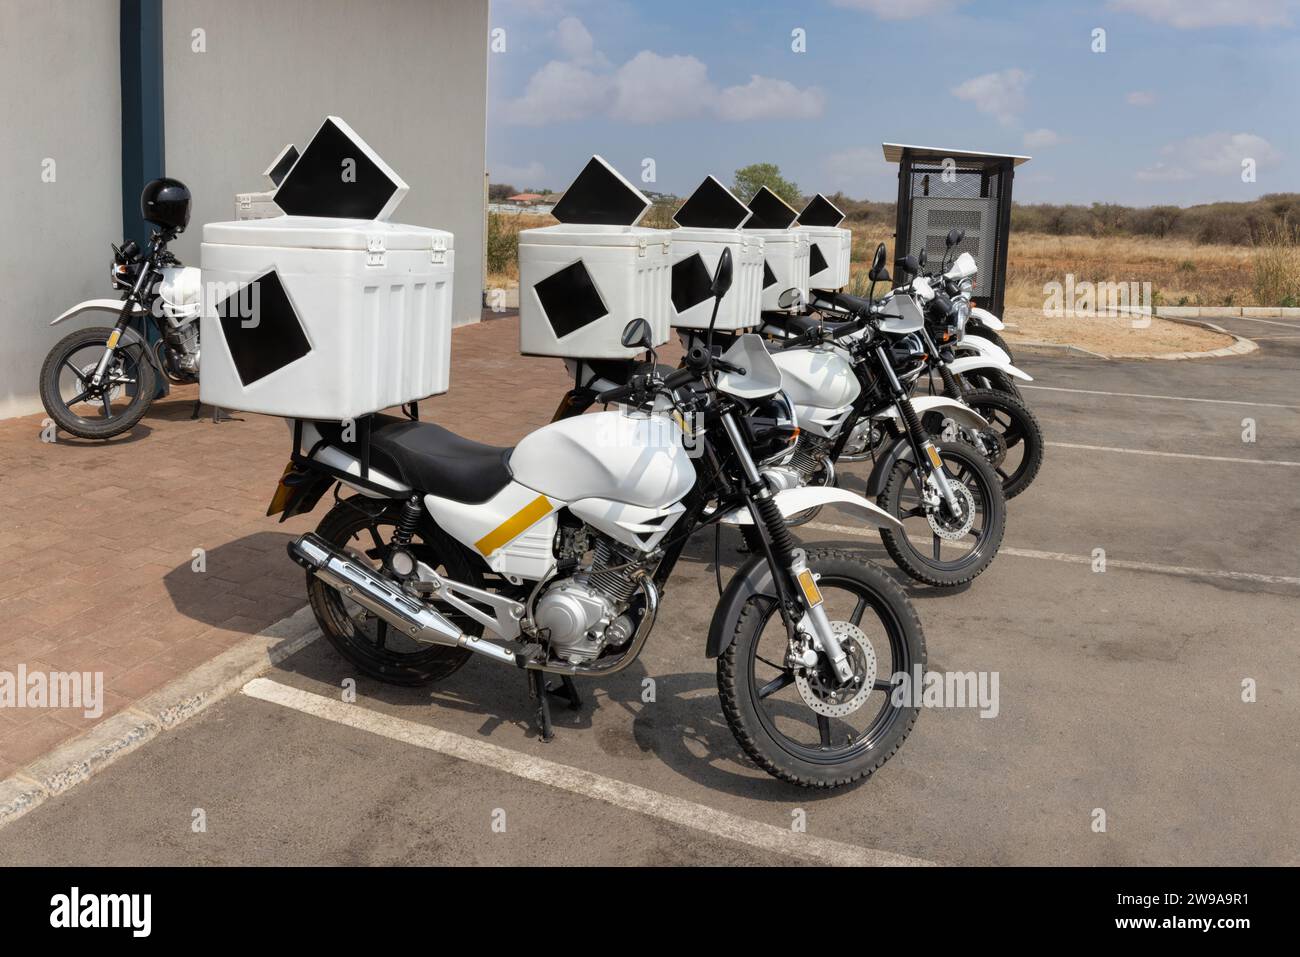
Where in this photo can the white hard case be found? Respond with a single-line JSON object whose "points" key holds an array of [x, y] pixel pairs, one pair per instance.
{"points": [[631, 270], [372, 300], [836, 245], [740, 307], [786, 254]]}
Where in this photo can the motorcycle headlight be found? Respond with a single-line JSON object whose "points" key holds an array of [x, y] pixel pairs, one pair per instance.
{"points": [[773, 429], [963, 314]]}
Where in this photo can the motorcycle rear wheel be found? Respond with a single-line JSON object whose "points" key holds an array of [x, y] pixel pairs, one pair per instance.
{"points": [[366, 641]]}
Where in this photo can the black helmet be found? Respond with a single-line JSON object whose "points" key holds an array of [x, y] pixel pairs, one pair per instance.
{"points": [[166, 202]]}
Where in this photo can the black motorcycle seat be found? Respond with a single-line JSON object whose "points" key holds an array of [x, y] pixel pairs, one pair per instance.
{"points": [[434, 460]]}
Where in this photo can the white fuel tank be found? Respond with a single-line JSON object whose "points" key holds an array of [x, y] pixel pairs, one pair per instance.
{"points": [[821, 384], [633, 458]]}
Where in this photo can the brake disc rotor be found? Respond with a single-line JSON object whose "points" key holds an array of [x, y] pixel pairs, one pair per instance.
{"points": [[818, 688], [944, 526]]}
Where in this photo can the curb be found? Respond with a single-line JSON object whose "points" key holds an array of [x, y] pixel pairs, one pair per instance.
{"points": [[87, 754], [1240, 347]]}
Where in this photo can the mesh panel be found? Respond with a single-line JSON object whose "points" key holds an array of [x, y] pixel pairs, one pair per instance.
{"points": [[967, 197]]}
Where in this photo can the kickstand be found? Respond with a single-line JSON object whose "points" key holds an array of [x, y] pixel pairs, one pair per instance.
{"points": [[539, 690], [198, 403]]}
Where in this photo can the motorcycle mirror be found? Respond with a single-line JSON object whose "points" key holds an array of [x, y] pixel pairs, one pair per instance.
{"points": [[955, 235], [637, 334], [921, 258], [790, 299], [722, 277], [878, 260], [907, 266]]}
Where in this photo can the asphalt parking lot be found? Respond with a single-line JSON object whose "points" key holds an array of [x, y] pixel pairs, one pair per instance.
{"points": [[1120, 691]]}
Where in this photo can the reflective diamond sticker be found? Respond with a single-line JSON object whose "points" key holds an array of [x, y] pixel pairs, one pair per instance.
{"points": [[281, 165], [816, 261], [770, 211], [261, 328], [821, 212], [570, 299], [712, 206], [691, 283], [602, 197]]}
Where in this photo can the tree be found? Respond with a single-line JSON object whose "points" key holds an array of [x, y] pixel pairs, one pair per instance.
{"points": [[750, 179], [500, 191]]}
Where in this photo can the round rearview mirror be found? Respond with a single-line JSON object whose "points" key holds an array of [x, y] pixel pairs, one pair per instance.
{"points": [[790, 299], [637, 335], [878, 260], [921, 257], [955, 235], [907, 266]]}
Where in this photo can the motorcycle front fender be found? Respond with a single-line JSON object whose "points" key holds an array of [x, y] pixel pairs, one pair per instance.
{"points": [[984, 347], [987, 319], [971, 363], [900, 451], [959, 412], [98, 305], [752, 579], [792, 501]]}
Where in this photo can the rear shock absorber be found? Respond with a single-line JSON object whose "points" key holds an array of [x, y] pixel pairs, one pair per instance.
{"points": [[408, 521]]}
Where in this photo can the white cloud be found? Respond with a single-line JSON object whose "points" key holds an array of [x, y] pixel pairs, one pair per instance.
{"points": [[531, 174], [764, 98], [1222, 153], [900, 9], [1001, 94], [1042, 139], [1162, 172], [1193, 14], [557, 92], [649, 88], [861, 172], [576, 44], [1140, 98]]}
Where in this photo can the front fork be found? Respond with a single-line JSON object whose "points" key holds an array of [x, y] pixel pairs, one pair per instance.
{"points": [[783, 554], [922, 444]]}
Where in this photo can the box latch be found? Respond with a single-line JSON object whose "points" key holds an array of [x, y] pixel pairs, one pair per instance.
{"points": [[375, 251], [640, 248], [438, 254]]}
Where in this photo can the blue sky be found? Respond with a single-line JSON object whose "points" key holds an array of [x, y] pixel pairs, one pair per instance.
{"points": [[1185, 90]]}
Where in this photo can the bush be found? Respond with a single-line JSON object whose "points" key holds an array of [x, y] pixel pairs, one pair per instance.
{"points": [[502, 243]]}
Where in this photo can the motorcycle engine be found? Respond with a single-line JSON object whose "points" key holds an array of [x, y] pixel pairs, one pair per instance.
{"points": [[586, 612]]}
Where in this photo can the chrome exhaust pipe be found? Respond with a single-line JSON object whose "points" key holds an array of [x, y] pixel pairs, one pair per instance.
{"points": [[408, 615]]}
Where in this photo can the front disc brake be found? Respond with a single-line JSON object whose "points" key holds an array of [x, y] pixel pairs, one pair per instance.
{"points": [[944, 525], [823, 693]]}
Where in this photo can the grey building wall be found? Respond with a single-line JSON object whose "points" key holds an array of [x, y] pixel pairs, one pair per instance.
{"points": [[60, 101], [410, 76]]}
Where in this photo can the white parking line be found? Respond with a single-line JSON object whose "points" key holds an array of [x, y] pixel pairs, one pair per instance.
{"points": [[631, 797], [1171, 398], [1181, 570], [1172, 455]]}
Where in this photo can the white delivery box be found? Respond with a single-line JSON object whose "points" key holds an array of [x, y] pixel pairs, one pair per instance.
{"points": [[785, 263], [581, 284], [710, 222], [830, 247], [695, 259], [582, 281], [785, 251], [317, 318]]}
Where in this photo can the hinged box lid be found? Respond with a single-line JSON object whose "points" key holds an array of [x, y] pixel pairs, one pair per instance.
{"points": [[770, 211], [339, 175], [314, 232]]}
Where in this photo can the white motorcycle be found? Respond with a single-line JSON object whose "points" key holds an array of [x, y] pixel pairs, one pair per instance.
{"points": [[99, 382], [551, 557]]}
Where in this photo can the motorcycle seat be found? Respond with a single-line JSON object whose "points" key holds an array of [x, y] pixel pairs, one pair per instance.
{"points": [[435, 460]]}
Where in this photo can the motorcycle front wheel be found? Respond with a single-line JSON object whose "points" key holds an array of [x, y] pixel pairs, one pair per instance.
{"points": [[936, 546], [85, 410], [797, 723]]}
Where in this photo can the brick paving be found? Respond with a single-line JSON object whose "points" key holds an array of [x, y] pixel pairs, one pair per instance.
{"points": [[97, 540]]}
